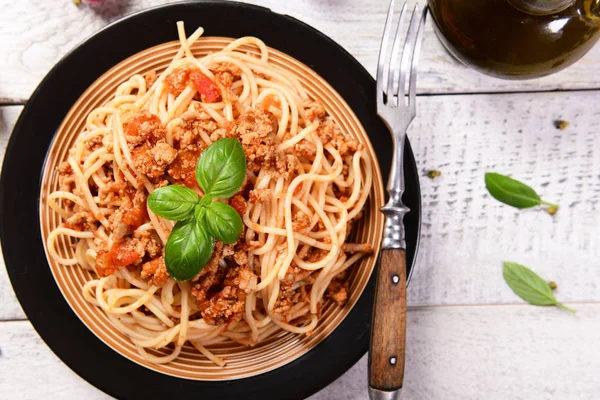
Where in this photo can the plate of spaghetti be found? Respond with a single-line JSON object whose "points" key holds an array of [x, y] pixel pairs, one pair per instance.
{"points": [[203, 205]]}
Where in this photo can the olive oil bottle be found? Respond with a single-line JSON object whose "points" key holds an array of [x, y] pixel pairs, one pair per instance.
{"points": [[517, 39]]}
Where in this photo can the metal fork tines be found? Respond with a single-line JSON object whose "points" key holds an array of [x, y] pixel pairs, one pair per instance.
{"points": [[396, 107]]}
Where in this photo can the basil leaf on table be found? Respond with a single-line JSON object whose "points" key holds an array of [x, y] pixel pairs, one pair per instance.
{"points": [[173, 202], [223, 222], [221, 168], [188, 249], [530, 286], [512, 192]]}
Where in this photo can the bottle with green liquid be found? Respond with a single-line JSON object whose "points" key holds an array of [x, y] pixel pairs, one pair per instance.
{"points": [[517, 39]]}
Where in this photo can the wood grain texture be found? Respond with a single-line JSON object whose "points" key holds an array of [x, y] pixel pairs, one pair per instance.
{"points": [[9, 306], [462, 353], [388, 330], [30, 371], [492, 353], [466, 234], [39, 32]]}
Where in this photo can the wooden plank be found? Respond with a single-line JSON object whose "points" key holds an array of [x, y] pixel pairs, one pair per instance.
{"points": [[466, 234], [492, 352], [25, 356], [10, 308], [42, 31]]}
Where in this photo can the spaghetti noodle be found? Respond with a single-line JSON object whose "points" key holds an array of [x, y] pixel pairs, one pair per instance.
{"points": [[306, 183]]}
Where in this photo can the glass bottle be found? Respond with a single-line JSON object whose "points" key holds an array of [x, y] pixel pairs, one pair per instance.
{"points": [[517, 39]]}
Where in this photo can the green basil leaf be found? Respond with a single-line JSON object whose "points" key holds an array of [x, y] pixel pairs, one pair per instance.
{"points": [[221, 168], [188, 249], [206, 200], [530, 286], [223, 222], [510, 191], [199, 213], [173, 202]]}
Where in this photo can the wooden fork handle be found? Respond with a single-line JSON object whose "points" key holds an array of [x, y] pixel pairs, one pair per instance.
{"points": [[388, 328]]}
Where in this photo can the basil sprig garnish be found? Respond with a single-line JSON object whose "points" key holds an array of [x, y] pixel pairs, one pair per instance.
{"points": [[514, 193], [530, 286], [220, 172]]}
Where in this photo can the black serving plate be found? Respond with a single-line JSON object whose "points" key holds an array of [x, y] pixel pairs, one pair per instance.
{"points": [[20, 233]]}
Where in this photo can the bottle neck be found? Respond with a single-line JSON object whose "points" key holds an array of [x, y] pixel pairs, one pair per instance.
{"points": [[541, 7]]}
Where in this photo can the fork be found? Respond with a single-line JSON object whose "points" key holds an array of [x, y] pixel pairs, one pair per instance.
{"points": [[397, 109]]}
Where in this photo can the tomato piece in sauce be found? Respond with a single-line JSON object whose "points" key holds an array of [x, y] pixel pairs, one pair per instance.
{"points": [[122, 254], [135, 216], [238, 203], [209, 92], [183, 169], [145, 125]]}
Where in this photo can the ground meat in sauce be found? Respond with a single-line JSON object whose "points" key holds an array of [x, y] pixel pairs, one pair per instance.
{"points": [[181, 78], [220, 288], [188, 132], [224, 307], [286, 299], [178, 80], [257, 133], [145, 126], [240, 255], [128, 252], [228, 304], [338, 291], [300, 221], [314, 111], [112, 192], [330, 133], [260, 195], [129, 216], [82, 221], [150, 78], [242, 278], [183, 169], [238, 203], [225, 73], [66, 178], [155, 272], [153, 161]]}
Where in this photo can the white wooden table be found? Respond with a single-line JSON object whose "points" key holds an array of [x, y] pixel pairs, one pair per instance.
{"points": [[469, 336]]}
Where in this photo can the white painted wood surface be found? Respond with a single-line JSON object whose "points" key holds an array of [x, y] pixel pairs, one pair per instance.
{"points": [[469, 336], [493, 352], [37, 33]]}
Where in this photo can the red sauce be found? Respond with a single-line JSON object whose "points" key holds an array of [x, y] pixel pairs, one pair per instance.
{"points": [[238, 203], [183, 169], [181, 78], [135, 216], [104, 264], [122, 255], [145, 125], [209, 92]]}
